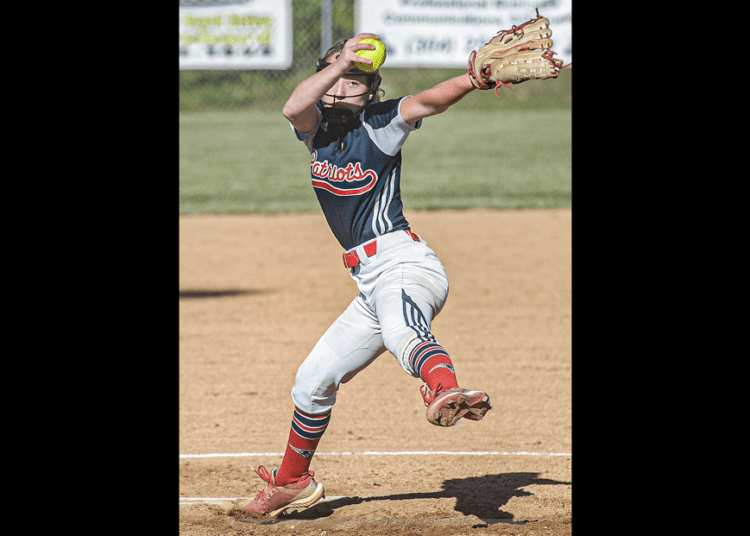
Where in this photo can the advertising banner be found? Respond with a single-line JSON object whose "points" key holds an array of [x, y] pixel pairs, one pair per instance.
{"points": [[235, 34], [442, 33]]}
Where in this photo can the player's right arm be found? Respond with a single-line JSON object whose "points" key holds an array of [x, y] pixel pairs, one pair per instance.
{"points": [[300, 108]]}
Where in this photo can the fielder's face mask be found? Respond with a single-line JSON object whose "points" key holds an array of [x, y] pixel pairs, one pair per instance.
{"points": [[339, 115]]}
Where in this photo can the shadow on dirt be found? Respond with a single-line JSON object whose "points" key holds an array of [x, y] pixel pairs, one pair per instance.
{"points": [[206, 293], [482, 497]]}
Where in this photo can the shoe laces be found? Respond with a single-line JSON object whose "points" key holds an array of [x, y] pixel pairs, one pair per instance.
{"points": [[263, 473], [428, 395], [270, 477], [266, 492]]}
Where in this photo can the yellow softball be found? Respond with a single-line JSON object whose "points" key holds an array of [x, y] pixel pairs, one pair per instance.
{"points": [[377, 56]]}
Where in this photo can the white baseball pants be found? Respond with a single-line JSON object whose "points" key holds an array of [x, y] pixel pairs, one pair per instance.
{"points": [[402, 288]]}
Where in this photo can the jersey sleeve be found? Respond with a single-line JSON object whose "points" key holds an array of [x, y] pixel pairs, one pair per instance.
{"points": [[387, 127]]}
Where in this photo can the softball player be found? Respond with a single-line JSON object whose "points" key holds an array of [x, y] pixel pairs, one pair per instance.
{"points": [[355, 144]]}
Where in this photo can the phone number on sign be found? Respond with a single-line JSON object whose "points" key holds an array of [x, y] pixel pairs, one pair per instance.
{"points": [[423, 45]]}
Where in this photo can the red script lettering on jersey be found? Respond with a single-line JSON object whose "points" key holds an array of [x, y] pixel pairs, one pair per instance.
{"points": [[352, 173]]}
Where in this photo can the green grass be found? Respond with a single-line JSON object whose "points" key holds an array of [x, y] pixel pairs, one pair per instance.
{"points": [[250, 161]]}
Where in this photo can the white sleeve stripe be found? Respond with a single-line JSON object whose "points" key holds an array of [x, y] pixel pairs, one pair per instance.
{"points": [[391, 137]]}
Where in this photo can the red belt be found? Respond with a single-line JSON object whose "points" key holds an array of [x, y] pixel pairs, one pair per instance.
{"points": [[351, 259]]}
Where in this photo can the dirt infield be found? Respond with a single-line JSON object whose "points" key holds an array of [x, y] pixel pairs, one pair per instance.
{"points": [[256, 293]]}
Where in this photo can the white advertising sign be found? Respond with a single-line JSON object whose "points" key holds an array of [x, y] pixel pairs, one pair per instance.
{"points": [[235, 34], [442, 33]]}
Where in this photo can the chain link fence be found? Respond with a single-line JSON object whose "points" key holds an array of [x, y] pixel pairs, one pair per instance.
{"points": [[268, 90]]}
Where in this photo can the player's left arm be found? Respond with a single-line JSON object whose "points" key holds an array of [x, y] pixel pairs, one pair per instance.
{"points": [[437, 99]]}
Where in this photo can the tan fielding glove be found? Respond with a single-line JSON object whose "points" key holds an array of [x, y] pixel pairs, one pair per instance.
{"points": [[514, 56]]}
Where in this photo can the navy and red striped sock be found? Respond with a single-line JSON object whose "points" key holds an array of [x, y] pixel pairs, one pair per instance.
{"points": [[433, 364], [304, 437]]}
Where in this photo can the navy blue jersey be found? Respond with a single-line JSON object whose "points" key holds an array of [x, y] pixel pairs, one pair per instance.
{"points": [[359, 186]]}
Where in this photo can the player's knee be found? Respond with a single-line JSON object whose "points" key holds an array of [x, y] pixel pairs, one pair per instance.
{"points": [[314, 389], [310, 403]]}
